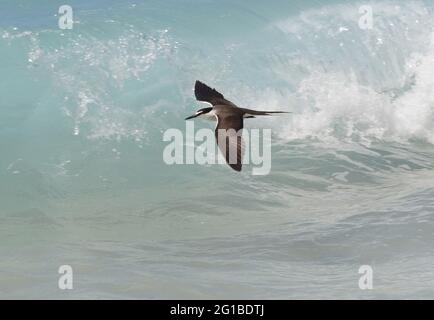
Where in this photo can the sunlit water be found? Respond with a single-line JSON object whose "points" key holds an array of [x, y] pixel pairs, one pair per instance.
{"points": [[83, 182]]}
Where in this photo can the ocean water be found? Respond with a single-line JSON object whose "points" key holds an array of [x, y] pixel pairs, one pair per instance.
{"points": [[82, 177]]}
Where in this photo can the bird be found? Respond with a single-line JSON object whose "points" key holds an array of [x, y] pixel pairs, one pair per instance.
{"points": [[228, 116]]}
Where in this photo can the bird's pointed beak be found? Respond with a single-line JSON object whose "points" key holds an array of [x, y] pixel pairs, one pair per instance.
{"points": [[191, 117]]}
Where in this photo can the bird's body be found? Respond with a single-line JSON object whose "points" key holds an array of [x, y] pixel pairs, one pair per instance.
{"points": [[228, 116]]}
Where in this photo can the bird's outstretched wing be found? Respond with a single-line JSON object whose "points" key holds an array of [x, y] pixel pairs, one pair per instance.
{"points": [[228, 135], [207, 94]]}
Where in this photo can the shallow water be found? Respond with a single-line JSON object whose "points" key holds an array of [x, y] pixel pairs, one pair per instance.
{"points": [[83, 182]]}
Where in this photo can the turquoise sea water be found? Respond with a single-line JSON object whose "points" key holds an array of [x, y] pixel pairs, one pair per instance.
{"points": [[83, 182]]}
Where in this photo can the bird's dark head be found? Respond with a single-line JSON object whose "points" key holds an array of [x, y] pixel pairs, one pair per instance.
{"points": [[199, 113]]}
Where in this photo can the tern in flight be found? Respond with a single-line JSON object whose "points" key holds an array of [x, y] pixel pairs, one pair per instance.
{"points": [[228, 116]]}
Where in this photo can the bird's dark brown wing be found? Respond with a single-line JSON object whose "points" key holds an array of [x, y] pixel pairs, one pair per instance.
{"points": [[207, 94], [228, 135]]}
